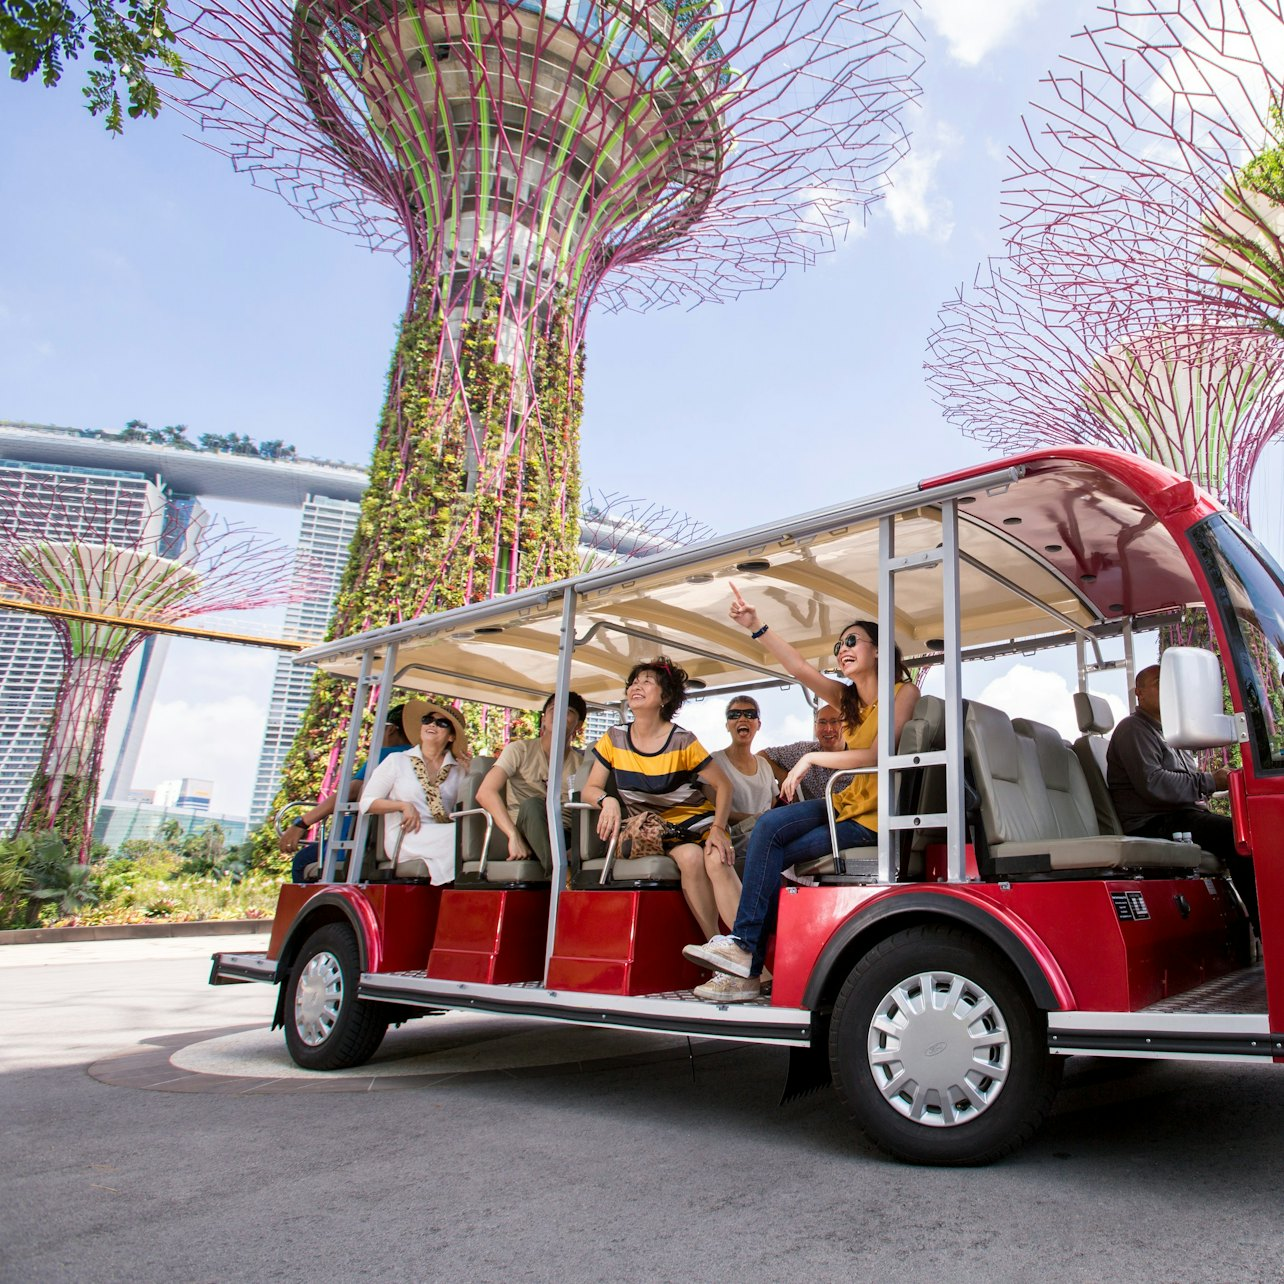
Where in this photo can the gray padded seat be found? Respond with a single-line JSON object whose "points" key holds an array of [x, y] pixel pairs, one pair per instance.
{"points": [[924, 732], [470, 834], [1096, 721], [589, 857], [1037, 809]]}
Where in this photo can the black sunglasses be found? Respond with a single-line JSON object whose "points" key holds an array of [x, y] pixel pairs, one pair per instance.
{"points": [[735, 715], [444, 723], [851, 640]]}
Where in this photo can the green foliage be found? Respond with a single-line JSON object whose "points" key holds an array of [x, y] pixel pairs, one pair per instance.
{"points": [[427, 539], [37, 875], [75, 799], [41, 885], [128, 40], [1265, 172], [175, 436]]}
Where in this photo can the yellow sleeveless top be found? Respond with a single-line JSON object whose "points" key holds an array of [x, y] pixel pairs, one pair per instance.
{"points": [[859, 801]]}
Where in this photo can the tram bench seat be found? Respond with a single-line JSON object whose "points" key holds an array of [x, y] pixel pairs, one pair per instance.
{"points": [[591, 858], [476, 836], [1037, 811]]}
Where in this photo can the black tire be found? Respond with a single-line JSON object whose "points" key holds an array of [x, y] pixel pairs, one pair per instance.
{"points": [[995, 1081], [326, 1026]]}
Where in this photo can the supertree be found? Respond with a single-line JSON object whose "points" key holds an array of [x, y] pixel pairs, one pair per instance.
{"points": [[1153, 167], [531, 159], [1017, 369], [105, 567], [615, 527]]}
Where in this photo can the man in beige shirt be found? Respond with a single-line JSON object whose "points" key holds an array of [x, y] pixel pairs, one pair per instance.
{"points": [[515, 790]]}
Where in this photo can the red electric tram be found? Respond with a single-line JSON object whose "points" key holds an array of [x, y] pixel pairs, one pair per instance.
{"points": [[1003, 923]]}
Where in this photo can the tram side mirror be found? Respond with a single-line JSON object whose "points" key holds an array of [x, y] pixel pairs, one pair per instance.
{"points": [[1191, 702]]}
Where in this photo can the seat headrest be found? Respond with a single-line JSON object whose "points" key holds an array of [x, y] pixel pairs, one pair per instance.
{"points": [[1053, 753], [930, 710], [991, 743], [1093, 714]]}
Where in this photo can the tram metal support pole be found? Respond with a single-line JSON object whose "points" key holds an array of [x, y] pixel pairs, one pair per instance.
{"points": [[361, 821], [557, 769], [956, 830], [331, 855], [886, 735]]}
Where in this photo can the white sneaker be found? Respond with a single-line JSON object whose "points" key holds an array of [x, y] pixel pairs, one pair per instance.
{"points": [[729, 989], [721, 954]]}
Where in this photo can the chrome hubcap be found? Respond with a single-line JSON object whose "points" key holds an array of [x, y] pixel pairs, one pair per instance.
{"points": [[939, 1049], [317, 998]]}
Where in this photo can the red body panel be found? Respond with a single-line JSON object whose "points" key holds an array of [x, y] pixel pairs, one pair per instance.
{"points": [[290, 899], [396, 920], [493, 936], [1092, 959], [623, 943]]}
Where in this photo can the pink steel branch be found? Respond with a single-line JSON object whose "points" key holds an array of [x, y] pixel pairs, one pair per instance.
{"points": [[717, 145], [533, 159], [1204, 396], [1141, 184]]}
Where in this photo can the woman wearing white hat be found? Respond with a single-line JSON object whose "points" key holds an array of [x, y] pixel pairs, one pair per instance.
{"points": [[419, 789]]}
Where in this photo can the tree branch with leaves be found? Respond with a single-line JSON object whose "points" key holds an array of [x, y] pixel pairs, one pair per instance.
{"points": [[127, 40]]}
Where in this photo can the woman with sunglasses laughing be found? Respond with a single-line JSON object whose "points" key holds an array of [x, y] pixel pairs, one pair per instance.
{"points": [[419, 789], [800, 831], [753, 783]]}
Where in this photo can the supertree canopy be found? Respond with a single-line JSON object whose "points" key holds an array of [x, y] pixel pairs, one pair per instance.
{"points": [[532, 158], [106, 567], [1154, 165], [1203, 396], [616, 527]]}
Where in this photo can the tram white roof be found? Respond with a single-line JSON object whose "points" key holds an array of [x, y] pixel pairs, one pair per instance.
{"points": [[1059, 527]]}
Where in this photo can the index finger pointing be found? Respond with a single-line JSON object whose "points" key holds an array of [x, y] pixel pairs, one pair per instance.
{"points": [[735, 592]]}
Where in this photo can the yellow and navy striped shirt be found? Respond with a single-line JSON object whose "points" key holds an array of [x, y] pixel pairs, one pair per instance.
{"points": [[664, 781]]}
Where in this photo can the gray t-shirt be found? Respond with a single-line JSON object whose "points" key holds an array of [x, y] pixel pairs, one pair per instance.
{"points": [[750, 795]]}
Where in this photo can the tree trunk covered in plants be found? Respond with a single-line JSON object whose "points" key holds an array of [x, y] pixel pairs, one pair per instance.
{"points": [[474, 491], [64, 789]]}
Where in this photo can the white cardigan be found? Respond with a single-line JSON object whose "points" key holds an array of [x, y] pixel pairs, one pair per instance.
{"points": [[394, 778]]}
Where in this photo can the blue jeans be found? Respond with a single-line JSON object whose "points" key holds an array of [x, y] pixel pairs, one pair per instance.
{"points": [[781, 838], [303, 857]]}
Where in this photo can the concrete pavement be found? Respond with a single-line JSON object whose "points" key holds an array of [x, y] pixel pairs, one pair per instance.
{"points": [[528, 1151]]}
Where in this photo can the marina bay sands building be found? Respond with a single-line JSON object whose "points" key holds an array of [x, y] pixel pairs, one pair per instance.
{"points": [[327, 497]]}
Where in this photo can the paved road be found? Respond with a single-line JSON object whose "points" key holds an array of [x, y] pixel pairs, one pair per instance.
{"points": [[521, 1151]]}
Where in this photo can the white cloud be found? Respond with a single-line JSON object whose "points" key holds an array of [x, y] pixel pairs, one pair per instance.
{"points": [[215, 740], [198, 729], [1025, 692], [914, 202], [972, 29]]}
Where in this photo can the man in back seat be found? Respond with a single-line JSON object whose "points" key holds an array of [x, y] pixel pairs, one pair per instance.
{"points": [[515, 789], [1159, 791]]}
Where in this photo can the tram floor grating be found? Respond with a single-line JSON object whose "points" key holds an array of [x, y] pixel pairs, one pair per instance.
{"points": [[1236, 992]]}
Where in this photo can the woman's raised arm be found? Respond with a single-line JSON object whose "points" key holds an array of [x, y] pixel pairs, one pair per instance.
{"points": [[830, 690]]}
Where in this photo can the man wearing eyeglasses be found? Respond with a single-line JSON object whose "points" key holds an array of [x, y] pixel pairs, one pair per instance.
{"points": [[514, 791], [829, 739]]}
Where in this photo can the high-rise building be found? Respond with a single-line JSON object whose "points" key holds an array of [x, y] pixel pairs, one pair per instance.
{"points": [[31, 658], [31, 663], [326, 528], [187, 793]]}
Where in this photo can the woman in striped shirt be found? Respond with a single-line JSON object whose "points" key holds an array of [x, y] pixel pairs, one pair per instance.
{"points": [[658, 766]]}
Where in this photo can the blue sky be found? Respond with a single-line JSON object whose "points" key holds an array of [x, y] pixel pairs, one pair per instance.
{"points": [[144, 278]]}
